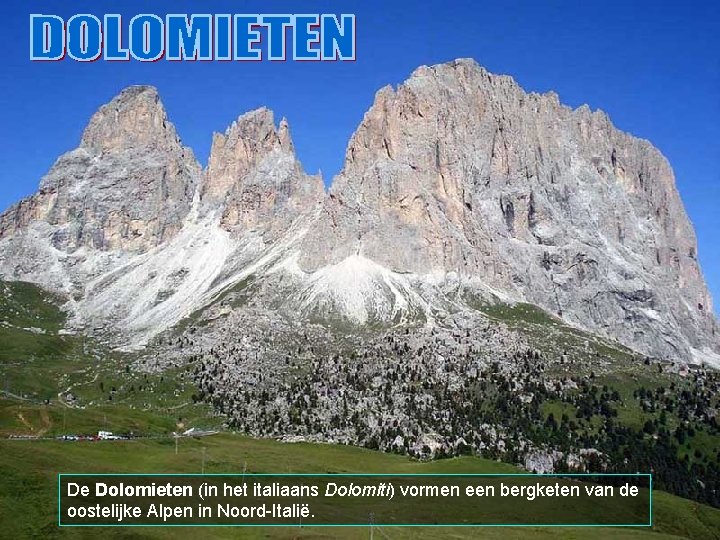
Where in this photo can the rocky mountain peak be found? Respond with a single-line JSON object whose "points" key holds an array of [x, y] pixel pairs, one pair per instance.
{"points": [[255, 177], [284, 136], [134, 119], [127, 187], [461, 171], [245, 144], [458, 187]]}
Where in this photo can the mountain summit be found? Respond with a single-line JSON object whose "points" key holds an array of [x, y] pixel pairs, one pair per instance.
{"points": [[127, 186], [458, 187], [254, 173], [459, 170]]}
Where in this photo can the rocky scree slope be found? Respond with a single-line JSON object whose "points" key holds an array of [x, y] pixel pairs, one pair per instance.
{"points": [[457, 186]]}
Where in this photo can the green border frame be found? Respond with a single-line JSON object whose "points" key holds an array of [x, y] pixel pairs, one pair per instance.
{"points": [[334, 475]]}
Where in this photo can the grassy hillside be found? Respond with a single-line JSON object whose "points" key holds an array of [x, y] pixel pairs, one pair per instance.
{"points": [[85, 385], [28, 503]]}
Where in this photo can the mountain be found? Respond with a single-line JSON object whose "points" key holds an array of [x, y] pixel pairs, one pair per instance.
{"points": [[126, 189], [459, 190], [254, 174], [458, 170]]}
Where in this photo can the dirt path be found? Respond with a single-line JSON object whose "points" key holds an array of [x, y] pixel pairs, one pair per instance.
{"points": [[14, 396], [44, 418], [47, 423], [24, 421]]}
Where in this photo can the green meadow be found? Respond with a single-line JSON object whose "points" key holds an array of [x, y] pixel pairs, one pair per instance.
{"points": [[28, 487]]}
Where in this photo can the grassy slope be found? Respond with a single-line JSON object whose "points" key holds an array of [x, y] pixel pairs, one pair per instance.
{"points": [[33, 355], [41, 364], [28, 502]]}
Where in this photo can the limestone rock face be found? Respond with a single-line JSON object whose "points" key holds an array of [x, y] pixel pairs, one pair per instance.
{"points": [[459, 170], [128, 186], [255, 177]]}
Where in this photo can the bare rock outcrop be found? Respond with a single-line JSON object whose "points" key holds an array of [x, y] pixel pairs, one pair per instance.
{"points": [[128, 186], [457, 185], [458, 170], [254, 175]]}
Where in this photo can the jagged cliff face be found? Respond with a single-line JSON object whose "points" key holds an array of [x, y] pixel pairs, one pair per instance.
{"points": [[131, 188], [459, 170], [254, 175], [456, 185], [128, 186]]}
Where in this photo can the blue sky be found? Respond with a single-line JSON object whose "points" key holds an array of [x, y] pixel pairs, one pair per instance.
{"points": [[654, 67]]}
